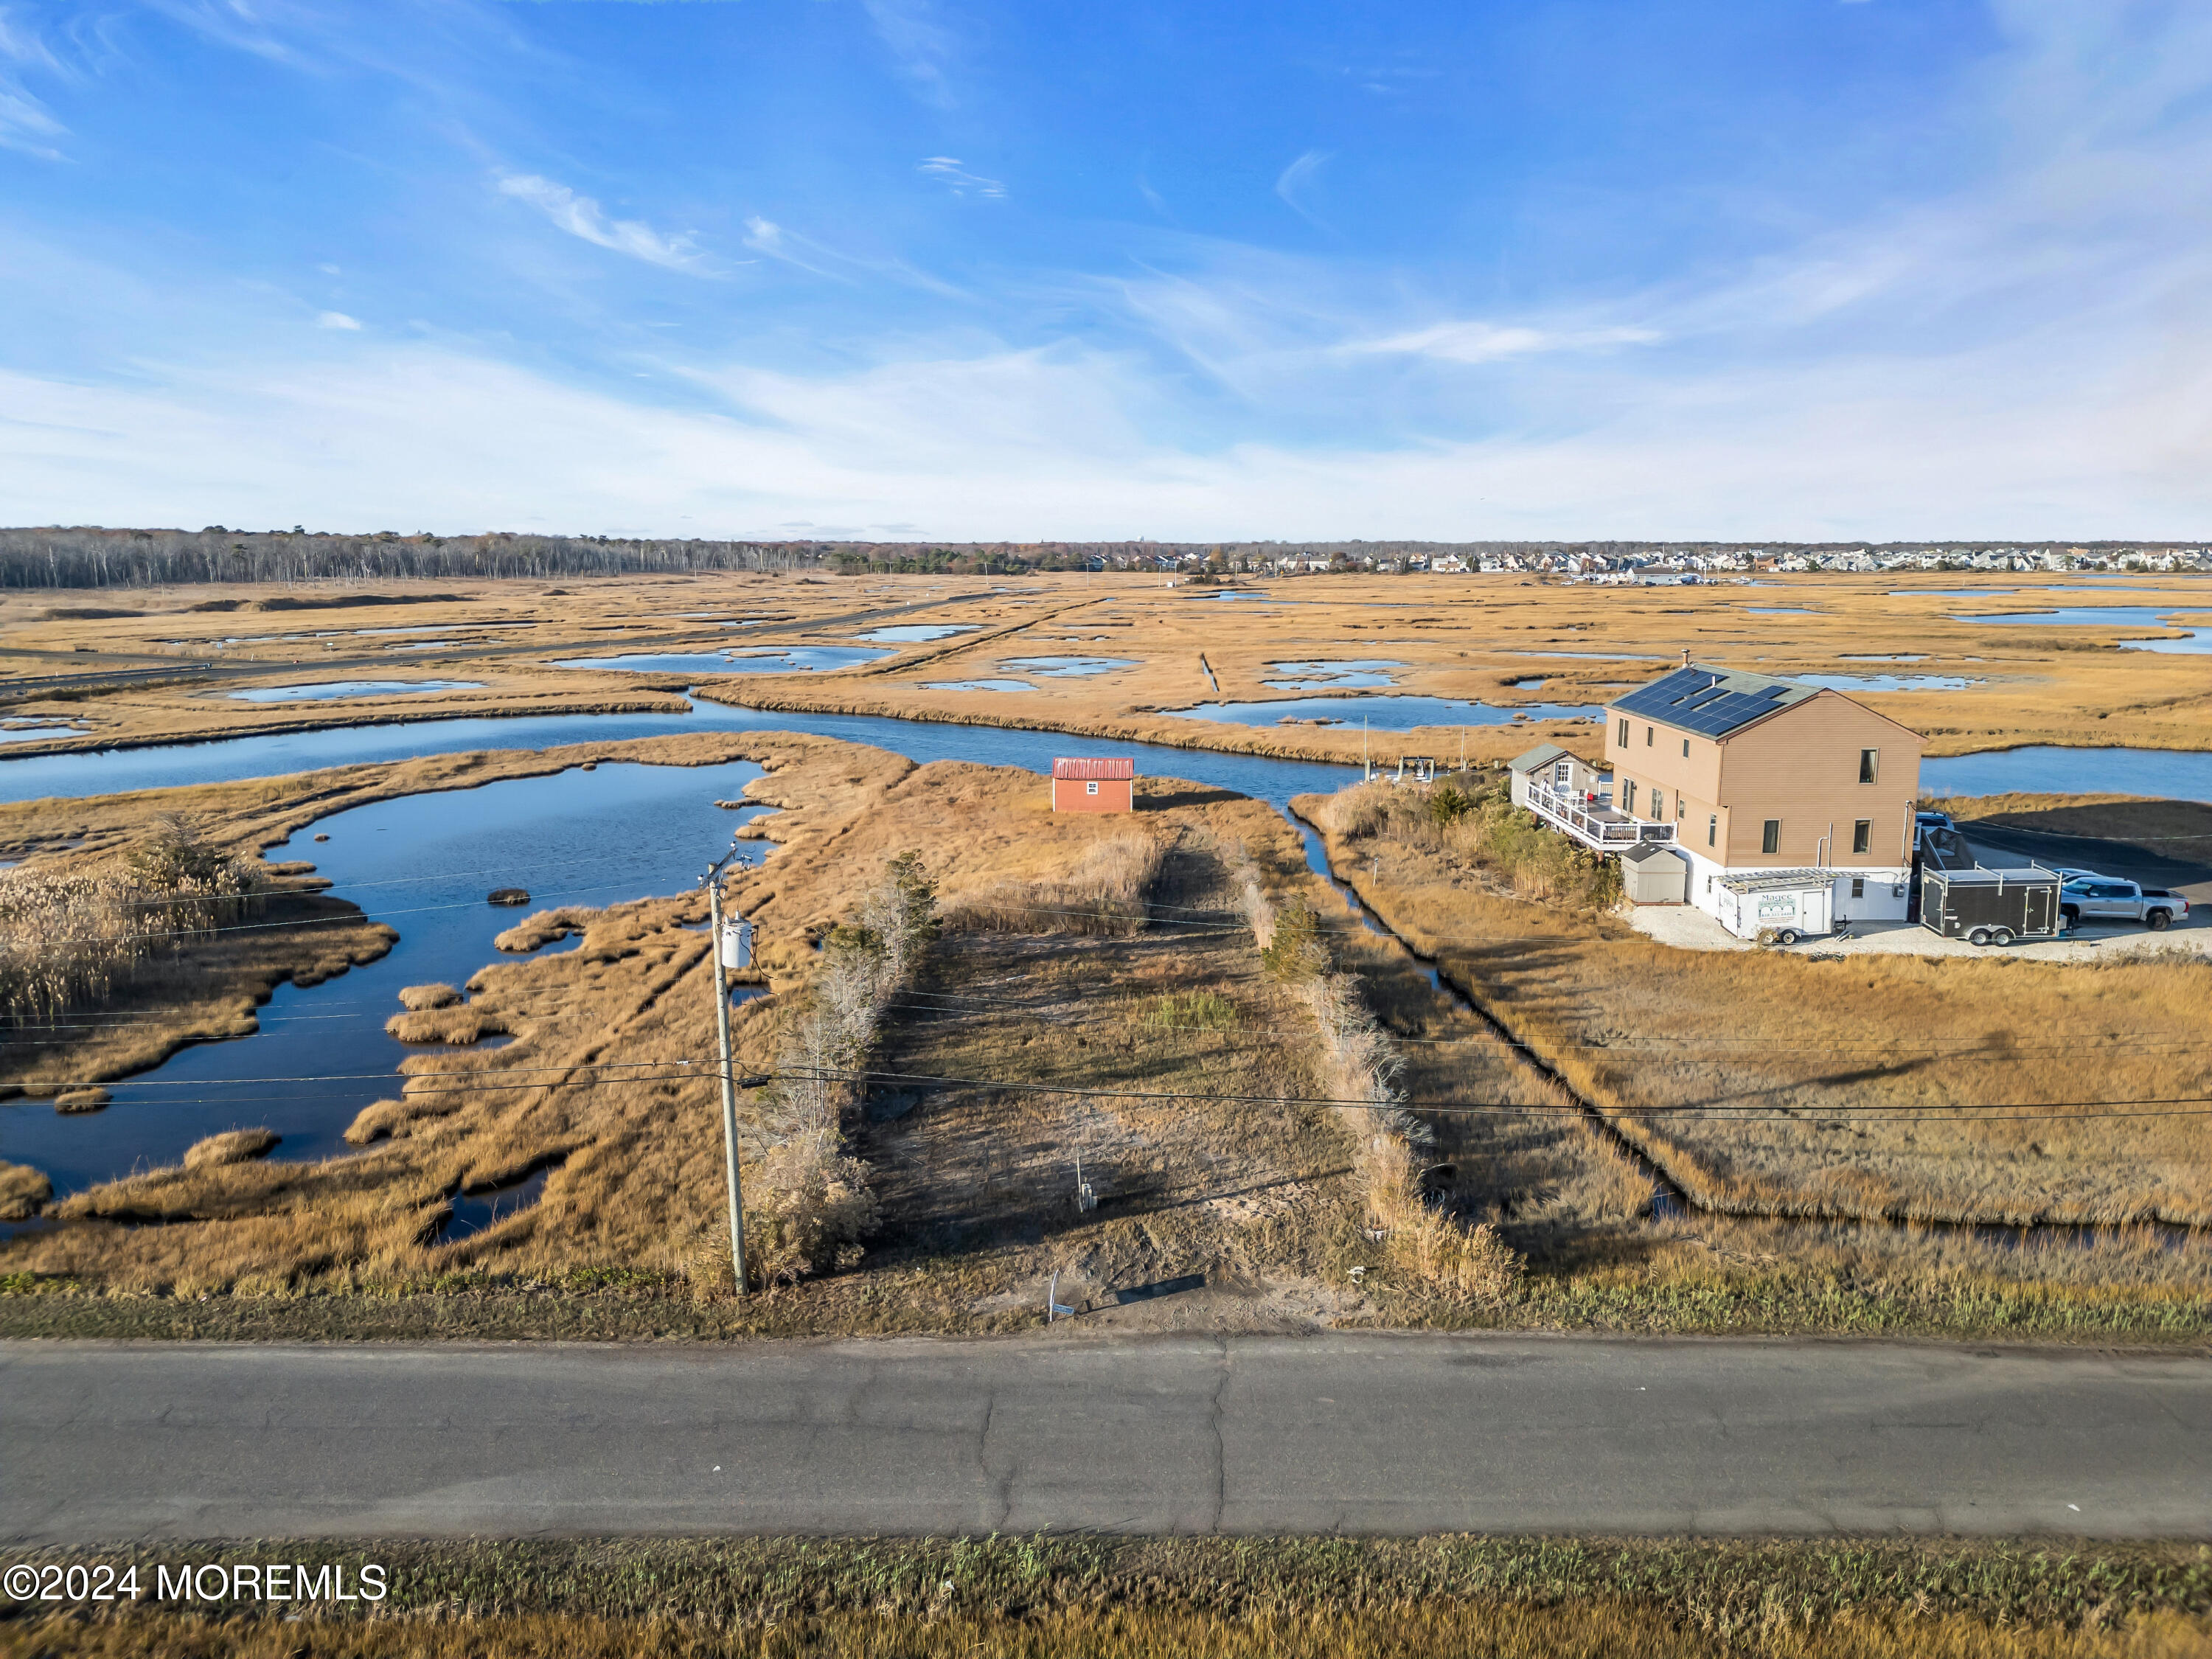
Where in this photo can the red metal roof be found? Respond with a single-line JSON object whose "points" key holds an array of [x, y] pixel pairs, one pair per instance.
{"points": [[1086, 770]]}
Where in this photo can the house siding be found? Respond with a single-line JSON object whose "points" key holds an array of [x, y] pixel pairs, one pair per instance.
{"points": [[1691, 784], [1802, 766]]}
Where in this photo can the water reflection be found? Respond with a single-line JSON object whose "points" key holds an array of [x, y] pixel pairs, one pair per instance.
{"points": [[1382, 714], [328, 690], [1886, 682], [423, 863]]}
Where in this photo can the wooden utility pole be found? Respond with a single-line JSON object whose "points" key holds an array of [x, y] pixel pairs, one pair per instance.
{"points": [[725, 1071]]}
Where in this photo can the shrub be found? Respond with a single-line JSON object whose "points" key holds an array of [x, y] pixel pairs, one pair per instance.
{"points": [[816, 1205], [815, 1209], [1480, 824], [1195, 1011], [1447, 805], [1295, 950]]}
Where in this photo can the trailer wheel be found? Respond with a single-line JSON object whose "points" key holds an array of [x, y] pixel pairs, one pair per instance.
{"points": [[2157, 920], [1787, 936], [1978, 936], [2000, 936], [2070, 914]]}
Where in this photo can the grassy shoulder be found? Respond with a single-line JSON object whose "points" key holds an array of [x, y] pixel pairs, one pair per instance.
{"points": [[1670, 1293], [1104, 1596]]}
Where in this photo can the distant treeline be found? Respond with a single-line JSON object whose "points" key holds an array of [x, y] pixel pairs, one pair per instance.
{"points": [[91, 556], [144, 558]]}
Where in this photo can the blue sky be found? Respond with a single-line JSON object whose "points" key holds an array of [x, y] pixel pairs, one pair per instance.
{"points": [[915, 268]]}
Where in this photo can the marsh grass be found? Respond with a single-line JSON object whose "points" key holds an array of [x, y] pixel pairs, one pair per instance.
{"points": [[1201, 1136], [1499, 1598], [73, 933], [1103, 895], [1361, 1067], [22, 1189], [1890, 1087], [1454, 634]]}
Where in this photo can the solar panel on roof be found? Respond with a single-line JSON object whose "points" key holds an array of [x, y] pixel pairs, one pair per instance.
{"points": [[1711, 704]]}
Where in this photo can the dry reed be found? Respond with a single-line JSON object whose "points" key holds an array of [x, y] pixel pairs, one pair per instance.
{"points": [[1360, 1068], [71, 937], [819, 1202], [1873, 1086], [1104, 896], [22, 1190]]}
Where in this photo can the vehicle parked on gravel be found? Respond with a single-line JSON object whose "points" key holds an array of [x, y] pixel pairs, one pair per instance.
{"points": [[2101, 898], [1991, 906]]}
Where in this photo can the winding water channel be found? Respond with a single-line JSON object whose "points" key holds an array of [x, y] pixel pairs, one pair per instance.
{"points": [[423, 863]]}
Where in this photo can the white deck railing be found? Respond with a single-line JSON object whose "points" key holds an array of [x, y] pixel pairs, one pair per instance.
{"points": [[1594, 826]]}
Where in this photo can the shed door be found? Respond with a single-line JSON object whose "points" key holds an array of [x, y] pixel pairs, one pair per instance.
{"points": [[2037, 919]]}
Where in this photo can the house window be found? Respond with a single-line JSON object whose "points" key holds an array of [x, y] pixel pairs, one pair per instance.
{"points": [[1658, 803], [1681, 805], [1859, 886], [1090, 789], [1686, 749], [1713, 830], [1869, 763], [1624, 734], [1628, 796], [1862, 836], [1769, 837], [1647, 737]]}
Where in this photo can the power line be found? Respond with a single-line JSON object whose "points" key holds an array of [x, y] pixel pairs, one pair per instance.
{"points": [[564, 1078]]}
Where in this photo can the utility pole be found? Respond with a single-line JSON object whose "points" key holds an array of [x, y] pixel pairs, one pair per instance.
{"points": [[728, 1076]]}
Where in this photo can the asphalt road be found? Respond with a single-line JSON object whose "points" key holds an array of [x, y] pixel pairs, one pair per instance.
{"points": [[1365, 1433]]}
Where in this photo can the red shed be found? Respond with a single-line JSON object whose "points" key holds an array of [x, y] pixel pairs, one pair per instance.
{"points": [[1094, 785]]}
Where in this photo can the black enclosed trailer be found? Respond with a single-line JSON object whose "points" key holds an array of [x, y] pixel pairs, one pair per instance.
{"points": [[1991, 906]]}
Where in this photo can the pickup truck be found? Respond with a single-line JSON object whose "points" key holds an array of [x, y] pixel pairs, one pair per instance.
{"points": [[2100, 898]]}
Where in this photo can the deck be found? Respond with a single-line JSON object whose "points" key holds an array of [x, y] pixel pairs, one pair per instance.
{"points": [[1594, 825]]}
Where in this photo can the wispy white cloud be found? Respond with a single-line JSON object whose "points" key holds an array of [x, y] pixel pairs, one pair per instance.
{"points": [[766, 236], [1294, 177], [25, 123], [271, 29], [579, 216], [1061, 443], [955, 178], [2027, 354], [920, 43], [1490, 343], [338, 319], [780, 242]]}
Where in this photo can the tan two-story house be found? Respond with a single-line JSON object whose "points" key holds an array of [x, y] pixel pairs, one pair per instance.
{"points": [[1756, 774]]}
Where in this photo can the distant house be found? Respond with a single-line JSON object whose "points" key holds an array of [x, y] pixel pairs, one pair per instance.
{"points": [[1094, 785]]}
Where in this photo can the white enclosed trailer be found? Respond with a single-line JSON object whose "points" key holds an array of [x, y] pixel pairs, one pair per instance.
{"points": [[1782, 905]]}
